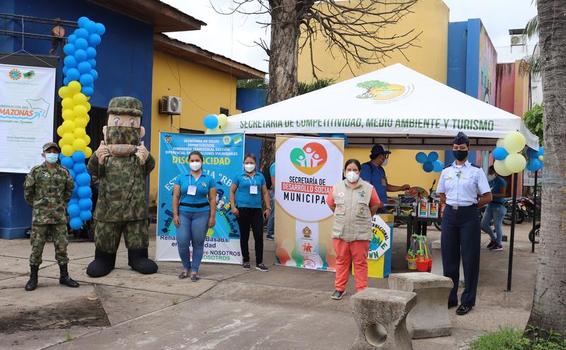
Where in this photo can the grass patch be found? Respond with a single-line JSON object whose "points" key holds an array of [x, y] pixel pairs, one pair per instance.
{"points": [[512, 339]]}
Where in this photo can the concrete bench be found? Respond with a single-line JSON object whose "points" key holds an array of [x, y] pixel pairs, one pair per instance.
{"points": [[380, 315], [429, 318]]}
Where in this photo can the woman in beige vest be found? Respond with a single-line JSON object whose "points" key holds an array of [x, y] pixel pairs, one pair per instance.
{"points": [[353, 201]]}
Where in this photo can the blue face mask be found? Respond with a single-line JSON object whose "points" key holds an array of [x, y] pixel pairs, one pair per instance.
{"points": [[52, 157]]}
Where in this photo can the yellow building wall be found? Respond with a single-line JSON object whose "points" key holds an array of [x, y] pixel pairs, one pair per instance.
{"points": [[401, 168], [521, 91], [429, 17], [202, 90], [430, 58]]}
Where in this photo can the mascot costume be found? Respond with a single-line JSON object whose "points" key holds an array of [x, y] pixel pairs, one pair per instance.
{"points": [[122, 164]]}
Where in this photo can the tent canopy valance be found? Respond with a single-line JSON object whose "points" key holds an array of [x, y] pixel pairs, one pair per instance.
{"points": [[395, 105]]}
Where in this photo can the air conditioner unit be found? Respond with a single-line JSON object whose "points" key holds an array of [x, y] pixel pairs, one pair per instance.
{"points": [[170, 105]]}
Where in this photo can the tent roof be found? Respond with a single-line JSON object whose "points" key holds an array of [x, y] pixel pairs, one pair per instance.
{"points": [[394, 105]]}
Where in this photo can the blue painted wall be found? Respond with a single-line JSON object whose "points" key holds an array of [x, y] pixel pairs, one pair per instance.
{"points": [[250, 99], [125, 56], [463, 56]]}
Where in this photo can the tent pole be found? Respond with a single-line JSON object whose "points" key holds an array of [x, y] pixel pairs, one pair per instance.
{"points": [[534, 212], [512, 238]]}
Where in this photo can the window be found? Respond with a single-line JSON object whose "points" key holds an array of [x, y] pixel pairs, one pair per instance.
{"points": [[224, 111]]}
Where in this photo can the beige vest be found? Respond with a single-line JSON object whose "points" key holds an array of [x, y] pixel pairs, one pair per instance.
{"points": [[352, 216]]}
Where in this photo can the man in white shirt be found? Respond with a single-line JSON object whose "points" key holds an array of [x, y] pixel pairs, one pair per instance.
{"points": [[463, 188]]}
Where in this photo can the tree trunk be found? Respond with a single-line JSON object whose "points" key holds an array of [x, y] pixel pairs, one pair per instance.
{"points": [[284, 52], [549, 303]]}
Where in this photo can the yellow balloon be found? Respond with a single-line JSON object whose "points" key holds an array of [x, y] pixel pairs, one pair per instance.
{"points": [[81, 122], [79, 99], [79, 145], [60, 131], [68, 126], [87, 106], [79, 132], [86, 138], [514, 142], [541, 158], [67, 150], [67, 103], [222, 121], [80, 110], [215, 131], [500, 168], [74, 87], [61, 144], [88, 152], [68, 114], [515, 162], [67, 138], [64, 92]]}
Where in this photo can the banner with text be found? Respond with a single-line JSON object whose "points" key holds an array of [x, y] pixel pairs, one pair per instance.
{"points": [[27, 95], [306, 169], [223, 158]]}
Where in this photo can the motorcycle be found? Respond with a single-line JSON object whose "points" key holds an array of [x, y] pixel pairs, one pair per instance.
{"points": [[524, 209]]}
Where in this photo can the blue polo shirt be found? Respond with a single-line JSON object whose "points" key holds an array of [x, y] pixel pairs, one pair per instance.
{"points": [[244, 199], [272, 170], [203, 184], [375, 175], [497, 186]]}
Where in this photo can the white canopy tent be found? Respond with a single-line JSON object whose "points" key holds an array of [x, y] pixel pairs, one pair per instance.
{"points": [[394, 106]]}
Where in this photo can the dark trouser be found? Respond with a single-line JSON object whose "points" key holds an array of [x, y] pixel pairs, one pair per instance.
{"points": [[461, 237], [251, 217]]}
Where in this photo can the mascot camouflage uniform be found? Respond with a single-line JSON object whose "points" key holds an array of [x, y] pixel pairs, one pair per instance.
{"points": [[122, 165]]}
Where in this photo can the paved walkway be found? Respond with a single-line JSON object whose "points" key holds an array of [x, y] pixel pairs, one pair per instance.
{"points": [[229, 308]]}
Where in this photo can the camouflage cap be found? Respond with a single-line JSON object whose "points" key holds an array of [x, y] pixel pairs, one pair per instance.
{"points": [[125, 105], [49, 145]]}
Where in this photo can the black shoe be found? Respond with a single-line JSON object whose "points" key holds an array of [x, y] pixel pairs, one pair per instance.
{"points": [[195, 277], [262, 268], [32, 283], [451, 305], [491, 244], [269, 237], [337, 295], [102, 264], [246, 265], [463, 309], [64, 278], [137, 259], [497, 248]]}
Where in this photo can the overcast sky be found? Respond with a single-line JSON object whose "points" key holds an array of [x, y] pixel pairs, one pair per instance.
{"points": [[234, 35]]}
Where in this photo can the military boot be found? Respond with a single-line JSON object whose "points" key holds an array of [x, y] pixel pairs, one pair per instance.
{"points": [[102, 265], [137, 259], [65, 279], [32, 283]]}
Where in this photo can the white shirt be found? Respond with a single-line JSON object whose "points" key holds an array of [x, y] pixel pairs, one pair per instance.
{"points": [[462, 184]]}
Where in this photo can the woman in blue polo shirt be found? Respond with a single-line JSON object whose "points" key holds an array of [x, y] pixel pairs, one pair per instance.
{"points": [[194, 209], [246, 194]]}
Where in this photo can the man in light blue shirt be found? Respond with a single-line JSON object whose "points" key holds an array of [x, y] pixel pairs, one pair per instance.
{"points": [[463, 188]]}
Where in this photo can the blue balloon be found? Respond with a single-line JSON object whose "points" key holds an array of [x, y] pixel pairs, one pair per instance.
{"points": [[65, 69], [83, 179], [85, 215], [87, 90], [432, 156], [73, 74], [85, 192], [421, 157], [66, 81], [85, 204], [94, 39], [100, 28], [69, 49], [78, 156], [437, 166], [67, 162], [72, 38], [84, 67], [94, 74], [531, 153], [211, 121], [541, 151], [74, 201], [72, 173], [76, 223], [79, 168], [75, 192], [500, 153], [428, 167], [90, 52], [83, 21], [92, 62], [81, 33], [91, 27], [86, 80], [70, 61], [81, 44], [80, 55], [534, 165], [73, 210]]}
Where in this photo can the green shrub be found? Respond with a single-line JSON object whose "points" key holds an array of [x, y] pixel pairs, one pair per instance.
{"points": [[512, 339]]}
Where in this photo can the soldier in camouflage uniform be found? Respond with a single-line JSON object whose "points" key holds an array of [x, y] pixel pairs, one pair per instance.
{"points": [[122, 164], [47, 188]]}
